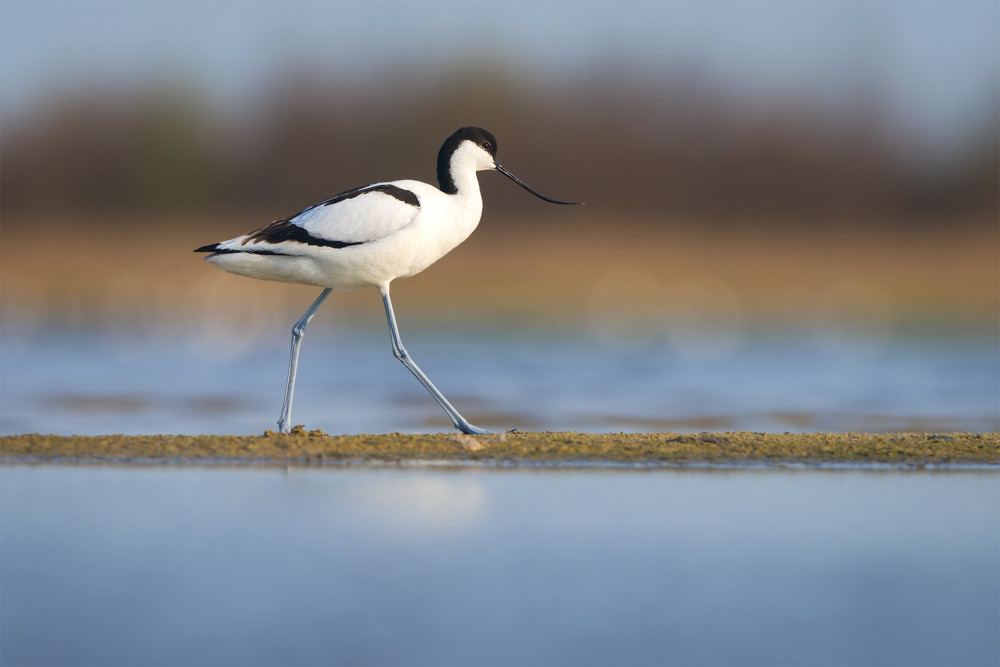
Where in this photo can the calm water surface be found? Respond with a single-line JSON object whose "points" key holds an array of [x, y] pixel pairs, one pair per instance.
{"points": [[223, 566], [350, 383]]}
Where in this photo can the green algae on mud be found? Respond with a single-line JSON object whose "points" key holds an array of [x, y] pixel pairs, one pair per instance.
{"points": [[316, 447]]}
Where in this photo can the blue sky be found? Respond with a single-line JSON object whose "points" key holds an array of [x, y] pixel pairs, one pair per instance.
{"points": [[935, 64]]}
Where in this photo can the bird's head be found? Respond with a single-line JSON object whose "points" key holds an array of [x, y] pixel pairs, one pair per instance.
{"points": [[477, 148]]}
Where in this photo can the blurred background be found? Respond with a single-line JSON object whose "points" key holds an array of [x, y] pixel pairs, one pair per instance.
{"points": [[791, 221]]}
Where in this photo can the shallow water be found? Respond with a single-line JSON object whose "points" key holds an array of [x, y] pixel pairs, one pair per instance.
{"points": [[105, 565], [350, 383]]}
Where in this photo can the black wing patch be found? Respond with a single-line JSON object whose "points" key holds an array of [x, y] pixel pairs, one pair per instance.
{"points": [[229, 251], [403, 195], [280, 231]]}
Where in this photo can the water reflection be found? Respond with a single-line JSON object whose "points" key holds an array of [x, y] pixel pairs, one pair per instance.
{"points": [[350, 383], [363, 566], [423, 503]]}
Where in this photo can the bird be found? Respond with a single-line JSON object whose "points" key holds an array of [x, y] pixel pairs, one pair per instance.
{"points": [[368, 237]]}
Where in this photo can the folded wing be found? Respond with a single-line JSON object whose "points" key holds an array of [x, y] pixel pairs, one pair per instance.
{"points": [[349, 219]]}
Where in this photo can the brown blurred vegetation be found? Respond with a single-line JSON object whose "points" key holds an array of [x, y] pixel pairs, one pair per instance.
{"points": [[666, 147], [702, 208]]}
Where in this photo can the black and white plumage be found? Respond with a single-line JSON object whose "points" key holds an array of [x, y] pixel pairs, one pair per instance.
{"points": [[368, 237]]}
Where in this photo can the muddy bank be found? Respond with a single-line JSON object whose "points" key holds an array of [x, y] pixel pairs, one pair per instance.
{"points": [[316, 447]]}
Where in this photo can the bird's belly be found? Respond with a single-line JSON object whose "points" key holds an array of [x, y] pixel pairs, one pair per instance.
{"points": [[283, 268], [376, 264]]}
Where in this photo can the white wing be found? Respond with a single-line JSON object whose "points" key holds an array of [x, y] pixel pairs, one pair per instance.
{"points": [[358, 216], [351, 218]]}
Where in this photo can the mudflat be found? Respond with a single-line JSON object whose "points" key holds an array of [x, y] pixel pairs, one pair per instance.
{"points": [[316, 448]]}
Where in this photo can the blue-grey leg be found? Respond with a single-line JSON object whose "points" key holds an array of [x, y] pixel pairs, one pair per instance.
{"points": [[284, 422], [461, 423]]}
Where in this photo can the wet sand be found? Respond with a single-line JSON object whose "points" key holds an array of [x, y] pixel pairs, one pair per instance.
{"points": [[515, 448]]}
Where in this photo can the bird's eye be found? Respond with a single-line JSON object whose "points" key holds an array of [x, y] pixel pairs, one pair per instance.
{"points": [[487, 145]]}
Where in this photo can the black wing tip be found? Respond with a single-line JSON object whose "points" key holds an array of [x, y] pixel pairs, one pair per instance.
{"points": [[212, 247]]}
